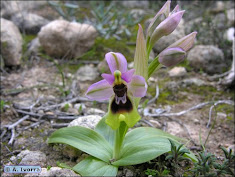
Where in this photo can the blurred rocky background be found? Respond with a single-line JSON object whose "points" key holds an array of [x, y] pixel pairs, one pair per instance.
{"points": [[51, 51]]}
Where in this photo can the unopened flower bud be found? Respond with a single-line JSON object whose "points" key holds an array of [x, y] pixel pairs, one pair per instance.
{"points": [[171, 56], [186, 42], [166, 27]]}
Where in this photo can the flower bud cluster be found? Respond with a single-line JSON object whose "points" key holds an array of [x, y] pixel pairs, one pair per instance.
{"points": [[163, 24]]}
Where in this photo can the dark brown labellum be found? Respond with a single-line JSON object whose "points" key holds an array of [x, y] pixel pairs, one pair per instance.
{"points": [[121, 102]]}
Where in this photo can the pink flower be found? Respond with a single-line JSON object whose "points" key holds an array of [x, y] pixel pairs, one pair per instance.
{"points": [[120, 87]]}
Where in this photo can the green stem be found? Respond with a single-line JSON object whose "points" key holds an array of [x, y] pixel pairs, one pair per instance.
{"points": [[153, 66], [119, 137]]}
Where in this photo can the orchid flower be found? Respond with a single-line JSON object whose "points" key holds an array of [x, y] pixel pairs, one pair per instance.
{"points": [[120, 87]]}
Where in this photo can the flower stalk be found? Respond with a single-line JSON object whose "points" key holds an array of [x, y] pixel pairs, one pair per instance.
{"points": [[119, 137]]}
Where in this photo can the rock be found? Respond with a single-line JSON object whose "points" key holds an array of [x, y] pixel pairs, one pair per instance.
{"points": [[230, 17], [55, 172], [219, 6], [229, 34], [80, 107], [191, 81], [177, 72], [11, 43], [172, 86], [9, 8], [95, 111], [23, 103], [219, 21], [165, 41], [29, 22], [87, 73], [208, 58], [61, 38], [66, 106], [136, 4], [128, 172], [73, 111], [89, 121], [32, 158]]}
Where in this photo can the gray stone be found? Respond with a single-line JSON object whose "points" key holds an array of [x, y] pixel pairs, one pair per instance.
{"points": [[136, 4], [192, 81], [29, 22], [172, 86], [219, 6], [165, 41], [89, 121], [177, 72], [61, 38], [208, 58], [80, 107], [229, 34], [128, 172], [9, 8], [230, 17], [11, 43], [32, 158], [219, 21], [95, 111], [87, 73]]}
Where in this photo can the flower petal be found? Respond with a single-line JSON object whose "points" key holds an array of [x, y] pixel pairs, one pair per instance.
{"points": [[99, 91], [137, 86], [186, 42], [127, 76], [109, 78], [116, 61]]}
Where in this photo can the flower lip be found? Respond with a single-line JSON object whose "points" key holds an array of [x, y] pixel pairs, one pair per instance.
{"points": [[120, 90], [121, 107]]}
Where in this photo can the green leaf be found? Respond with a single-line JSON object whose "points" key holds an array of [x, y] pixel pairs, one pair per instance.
{"points": [[95, 167], [84, 139], [143, 150], [144, 132], [144, 144], [106, 131]]}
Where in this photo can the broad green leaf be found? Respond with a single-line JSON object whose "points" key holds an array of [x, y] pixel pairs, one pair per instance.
{"points": [[84, 139], [143, 150], [144, 144], [106, 131], [144, 132], [94, 167]]}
